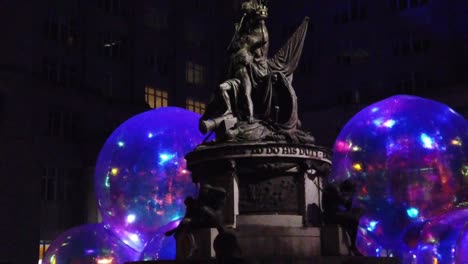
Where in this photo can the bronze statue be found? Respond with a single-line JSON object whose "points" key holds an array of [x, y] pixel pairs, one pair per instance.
{"points": [[249, 49], [257, 101]]}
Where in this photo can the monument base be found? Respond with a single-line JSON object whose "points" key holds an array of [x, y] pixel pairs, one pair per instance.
{"points": [[278, 242], [276, 260]]}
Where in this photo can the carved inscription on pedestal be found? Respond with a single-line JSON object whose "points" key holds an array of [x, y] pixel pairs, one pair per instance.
{"points": [[278, 195]]}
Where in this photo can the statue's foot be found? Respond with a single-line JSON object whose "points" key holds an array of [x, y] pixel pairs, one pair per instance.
{"points": [[251, 120]]}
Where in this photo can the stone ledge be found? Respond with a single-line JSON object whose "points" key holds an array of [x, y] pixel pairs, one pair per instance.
{"points": [[270, 220], [284, 242], [276, 231], [248, 150], [315, 260]]}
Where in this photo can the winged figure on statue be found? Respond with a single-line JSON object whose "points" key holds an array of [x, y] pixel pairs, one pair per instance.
{"points": [[257, 102]]}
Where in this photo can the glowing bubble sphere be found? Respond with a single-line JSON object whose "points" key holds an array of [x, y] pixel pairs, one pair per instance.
{"points": [[141, 179], [161, 247], [438, 238], [408, 157], [461, 256], [89, 244]]}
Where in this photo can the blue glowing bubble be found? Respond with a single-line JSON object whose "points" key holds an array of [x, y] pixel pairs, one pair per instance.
{"points": [[406, 156], [141, 179], [160, 246], [86, 244]]}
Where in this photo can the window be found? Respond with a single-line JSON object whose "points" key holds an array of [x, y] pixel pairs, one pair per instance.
{"points": [[107, 85], [156, 19], [350, 97], [112, 46], [156, 98], [354, 11], [59, 184], [351, 55], [62, 32], [413, 82], [194, 36], [194, 73], [63, 124], [195, 106], [60, 74], [49, 185], [111, 6], [196, 4], [411, 46], [405, 4], [43, 246], [158, 64]]}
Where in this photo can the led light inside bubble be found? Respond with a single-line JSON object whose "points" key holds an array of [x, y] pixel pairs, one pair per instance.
{"points": [[406, 155], [141, 179]]}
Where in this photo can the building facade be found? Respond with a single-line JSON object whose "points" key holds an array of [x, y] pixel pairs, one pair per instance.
{"points": [[70, 73], [361, 51]]}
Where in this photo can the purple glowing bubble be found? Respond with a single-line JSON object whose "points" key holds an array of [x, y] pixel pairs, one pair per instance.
{"points": [[438, 239], [86, 244], [461, 256], [141, 179], [407, 156], [160, 246]]}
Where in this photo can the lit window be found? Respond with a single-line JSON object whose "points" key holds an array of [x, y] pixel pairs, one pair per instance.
{"points": [[156, 98], [194, 73], [195, 106], [43, 246]]}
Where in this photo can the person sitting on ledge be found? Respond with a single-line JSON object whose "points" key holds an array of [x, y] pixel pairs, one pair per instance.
{"points": [[337, 209]]}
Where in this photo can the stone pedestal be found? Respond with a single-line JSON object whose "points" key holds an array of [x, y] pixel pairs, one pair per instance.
{"points": [[280, 242], [335, 241], [269, 196], [203, 239], [278, 260]]}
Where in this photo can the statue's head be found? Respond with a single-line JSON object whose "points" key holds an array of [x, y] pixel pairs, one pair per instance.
{"points": [[257, 8]]}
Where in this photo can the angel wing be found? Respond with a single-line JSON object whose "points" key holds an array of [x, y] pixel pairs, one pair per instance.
{"points": [[287, 58]]}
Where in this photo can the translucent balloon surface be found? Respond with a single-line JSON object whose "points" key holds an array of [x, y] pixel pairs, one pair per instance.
{"points": [[89, 244], [141, 179], [161, 247], [367, 237], [461, 255], [408, 158], [438, 239]]}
